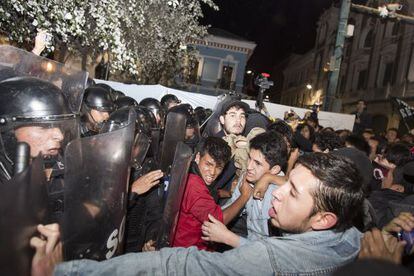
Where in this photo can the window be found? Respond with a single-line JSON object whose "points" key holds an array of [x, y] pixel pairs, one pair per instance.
{"points": [[194, 73], [226, 73], [362, 79], [388, 73], [395, 28], [369, 39]]}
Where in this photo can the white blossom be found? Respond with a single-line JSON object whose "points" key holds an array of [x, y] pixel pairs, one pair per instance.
{"points": [[143, 37]]}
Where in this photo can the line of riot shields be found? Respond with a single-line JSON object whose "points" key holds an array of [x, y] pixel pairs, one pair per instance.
{"points": [[93, 172]]}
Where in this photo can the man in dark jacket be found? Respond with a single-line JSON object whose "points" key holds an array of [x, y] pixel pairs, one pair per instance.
{"points": [[363, 119]]}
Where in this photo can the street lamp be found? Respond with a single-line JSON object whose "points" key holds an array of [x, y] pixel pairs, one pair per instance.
{"points": [[248, 72], [309, 86]]}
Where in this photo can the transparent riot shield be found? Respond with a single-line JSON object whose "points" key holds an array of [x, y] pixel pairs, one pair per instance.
{"points": [[140, 149], [155, 143], [23, 205], [175, 193], [71, 81], [96, 186], [174, 132]]}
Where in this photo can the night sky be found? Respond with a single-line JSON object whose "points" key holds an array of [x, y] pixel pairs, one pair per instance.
{"points": [[279, 27]]}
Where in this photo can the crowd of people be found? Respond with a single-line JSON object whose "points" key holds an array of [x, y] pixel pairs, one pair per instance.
{"points": [[261, 196]]}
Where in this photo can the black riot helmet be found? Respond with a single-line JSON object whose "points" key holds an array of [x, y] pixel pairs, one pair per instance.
{"points": [[192, 133], [116, 94], [26, 99], [98, 98], [147, 119], [155, 107], [105, 86], [188, 111], [201, 114], [125, 101], [168, 99], [30, 105], [119, 119]]}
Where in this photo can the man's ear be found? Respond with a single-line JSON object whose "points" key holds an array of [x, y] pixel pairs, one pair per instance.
{"points": [[197, 158], [221, 118], [323, 221], [275, 170]]}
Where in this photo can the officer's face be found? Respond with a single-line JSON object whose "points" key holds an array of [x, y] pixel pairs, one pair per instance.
{"points": [[208, 167], [46, 141], [189, 133], [234, 121], [171, 105], [99, 116]]}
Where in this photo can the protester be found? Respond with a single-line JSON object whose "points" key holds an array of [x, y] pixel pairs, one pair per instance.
{"points": [[304, 137], [268, 155], [316, 206], [232, 119], [326, 142], [363, 119], [198, 203], [392, 135], [293, 198], [168, 101]]}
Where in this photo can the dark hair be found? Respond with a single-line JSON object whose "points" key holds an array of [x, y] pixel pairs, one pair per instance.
{"points": [[398, 154], [359, 143], [312, 119], [328, 140], [311, 131], [365, 103], [339, 189], [236, 104], [284, 129], [394, 129], [217, 148], [327, 129], [273, 146], [369, 131]]}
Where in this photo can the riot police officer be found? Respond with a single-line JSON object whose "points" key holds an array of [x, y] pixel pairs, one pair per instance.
{"points": [[125, 101], [155, 107], [36, 112], [168, 101], [96, 107], [192, 132]]}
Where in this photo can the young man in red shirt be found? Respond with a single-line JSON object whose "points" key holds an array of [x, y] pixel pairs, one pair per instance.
{"points": [[198, 202]]}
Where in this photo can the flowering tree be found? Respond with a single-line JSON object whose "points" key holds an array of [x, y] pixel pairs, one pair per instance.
{"points": [[142, 37]]}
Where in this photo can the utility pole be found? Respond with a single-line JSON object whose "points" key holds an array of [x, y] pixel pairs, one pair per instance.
{"points": [[338, 53]]}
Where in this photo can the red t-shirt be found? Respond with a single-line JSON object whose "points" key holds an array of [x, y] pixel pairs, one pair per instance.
{"points": [[196, 205]]}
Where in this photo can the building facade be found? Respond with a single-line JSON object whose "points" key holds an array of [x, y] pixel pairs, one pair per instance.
{"points": [[221, 63], [377, 64]]}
